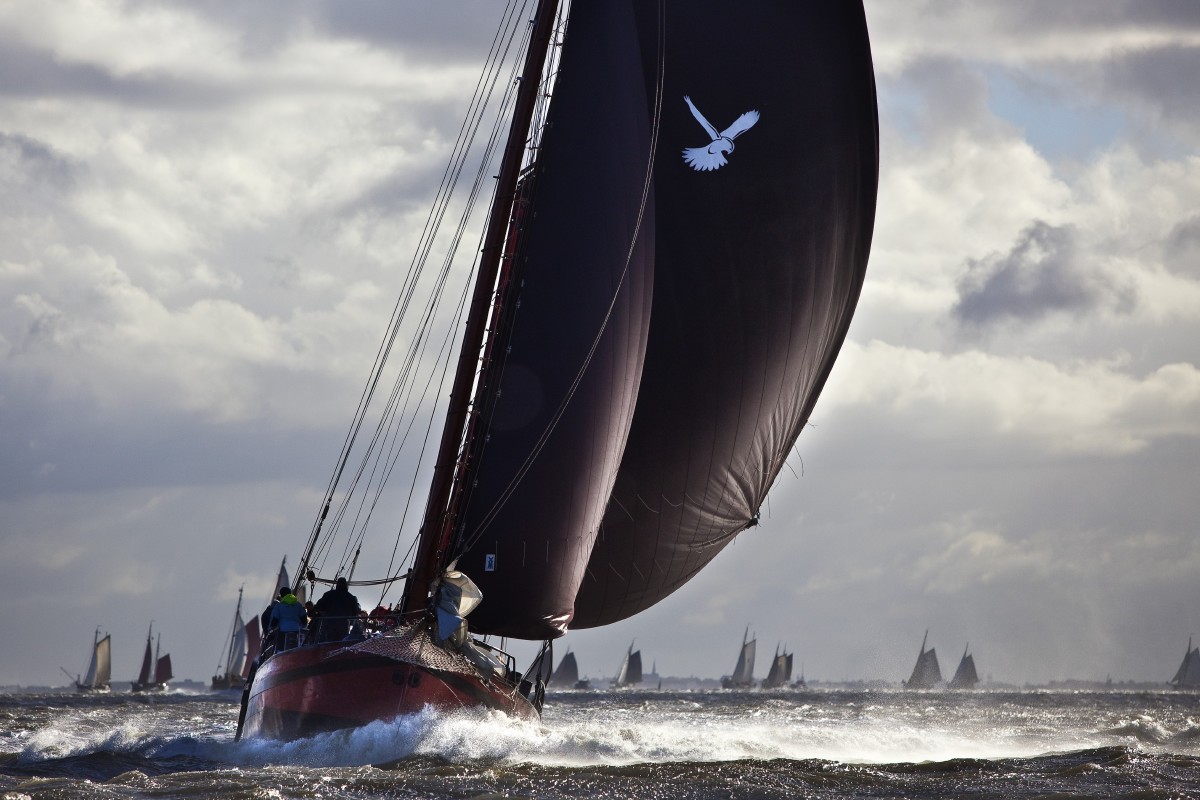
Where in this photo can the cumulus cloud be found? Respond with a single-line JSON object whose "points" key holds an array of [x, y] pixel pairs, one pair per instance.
{"points": [[1095, 407], [1041, 274], [1183, 248], [206, 210]]}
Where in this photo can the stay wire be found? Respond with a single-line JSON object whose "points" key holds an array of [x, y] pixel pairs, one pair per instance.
{"points": [[425, 243]]}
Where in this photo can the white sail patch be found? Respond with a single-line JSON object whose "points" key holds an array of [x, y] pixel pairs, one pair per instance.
{"points": [[712, 156]]}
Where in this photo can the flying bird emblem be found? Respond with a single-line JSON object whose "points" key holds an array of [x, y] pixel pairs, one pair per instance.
{"points": [[705, 159]]}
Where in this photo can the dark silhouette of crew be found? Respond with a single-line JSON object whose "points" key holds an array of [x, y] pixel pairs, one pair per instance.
{"points": [[336, 609]]}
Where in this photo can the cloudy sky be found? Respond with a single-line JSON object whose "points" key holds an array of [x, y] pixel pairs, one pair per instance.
{"points": [[206, 210]]}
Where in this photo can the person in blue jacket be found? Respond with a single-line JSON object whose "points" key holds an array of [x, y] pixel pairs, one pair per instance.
{"points": [[288, 618]]}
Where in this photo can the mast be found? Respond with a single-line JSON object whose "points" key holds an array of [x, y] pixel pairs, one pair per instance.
{"points": [[439, 520]]}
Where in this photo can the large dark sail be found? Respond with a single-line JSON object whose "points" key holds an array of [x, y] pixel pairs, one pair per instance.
{"points": [[558, 395], [754, 269], [758, 266]]}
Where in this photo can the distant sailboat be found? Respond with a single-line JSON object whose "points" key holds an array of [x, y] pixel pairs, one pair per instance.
{"points": [[156, 669], [780, 672], [743, 672], [567, 675], [799, 684], [99, 668], [1188, 674], [926, 674], [232, 674], [965, 676], [630, 672]]}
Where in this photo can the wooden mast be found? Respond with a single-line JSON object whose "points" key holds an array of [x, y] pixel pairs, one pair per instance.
{"points": [[439, 519]]}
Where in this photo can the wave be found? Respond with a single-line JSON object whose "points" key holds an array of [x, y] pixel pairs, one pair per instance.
{"points": [[592, 733]]}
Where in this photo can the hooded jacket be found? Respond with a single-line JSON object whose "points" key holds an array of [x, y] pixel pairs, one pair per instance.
{"points": [[289, 615]]}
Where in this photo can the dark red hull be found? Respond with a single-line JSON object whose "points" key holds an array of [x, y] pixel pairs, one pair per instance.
{"points": [[325, 687]]}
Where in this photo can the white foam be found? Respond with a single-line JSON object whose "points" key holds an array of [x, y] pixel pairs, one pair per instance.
{"points": [[880, 730], [621, 736]]}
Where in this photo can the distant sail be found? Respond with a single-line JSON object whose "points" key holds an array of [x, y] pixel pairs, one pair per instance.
{"points": [[236, 657], [253, 644], [237, 664], [156, 670], [162, 669], [1188, 674], [780, 672], [633, 675], [103, 658], [99, 668], [926, 674], [630, 672], [147, 660], [567, 674], [965, 676], [743, 672]]}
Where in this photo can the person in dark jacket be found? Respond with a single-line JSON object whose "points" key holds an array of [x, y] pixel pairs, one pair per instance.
{"points": [[336, 609], [268, 633]]}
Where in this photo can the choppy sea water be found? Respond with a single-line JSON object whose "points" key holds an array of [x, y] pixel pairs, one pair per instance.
{"points": [[658, 744]]}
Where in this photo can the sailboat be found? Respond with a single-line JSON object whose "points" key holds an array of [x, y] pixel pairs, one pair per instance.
{"points": [[965, 676], [780, 672], [652, 317], [926, 673], [800, 683], [156, 669], [1188, 674], [99, 670], [630, 671], [743, 672], [231, 672], [566, 676]]}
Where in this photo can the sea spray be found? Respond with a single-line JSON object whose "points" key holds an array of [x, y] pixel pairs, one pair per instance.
{"points": [[604, 744]]}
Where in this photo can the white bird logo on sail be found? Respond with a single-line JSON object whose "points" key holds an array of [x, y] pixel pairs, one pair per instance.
{"points": [[704, 159]]}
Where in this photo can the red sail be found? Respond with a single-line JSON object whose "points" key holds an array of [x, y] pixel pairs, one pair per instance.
{"points": [[162, 669]]}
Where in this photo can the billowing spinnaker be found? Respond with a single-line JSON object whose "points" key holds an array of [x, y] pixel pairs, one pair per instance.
{"points": [[761, 236]]}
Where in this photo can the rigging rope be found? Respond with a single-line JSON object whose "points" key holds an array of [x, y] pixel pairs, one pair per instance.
{"points": [[383, 450]]}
